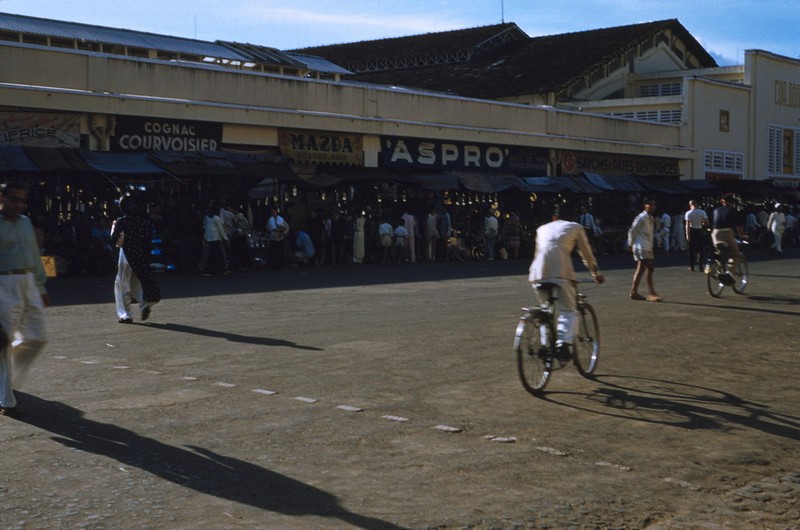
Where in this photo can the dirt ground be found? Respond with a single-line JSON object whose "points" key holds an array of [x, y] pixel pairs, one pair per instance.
{"points": [[384, 397]]}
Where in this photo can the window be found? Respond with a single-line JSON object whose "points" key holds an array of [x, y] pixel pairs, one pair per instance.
{"points": [[729, 162], [666, 89], [783, 151]]}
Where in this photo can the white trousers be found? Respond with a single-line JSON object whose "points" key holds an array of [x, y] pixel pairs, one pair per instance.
{"points": [[126, 286], [567, 309], [22, 317]]}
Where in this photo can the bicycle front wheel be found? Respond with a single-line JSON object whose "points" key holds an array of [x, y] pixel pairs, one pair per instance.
{"points": [[715, 286], [587, 347], [741, 276], [533, 344]]}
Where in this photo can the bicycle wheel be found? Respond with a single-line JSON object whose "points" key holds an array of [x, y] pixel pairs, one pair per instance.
{"points": [[741, 276], [534, 359], [587, 345], [715, 286]]}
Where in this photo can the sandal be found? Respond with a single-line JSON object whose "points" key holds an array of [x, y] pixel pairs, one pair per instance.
{"points": [[636, 296], [653, 298]]}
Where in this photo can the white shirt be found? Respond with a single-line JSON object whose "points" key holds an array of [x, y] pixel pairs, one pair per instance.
{"points": [[695, 218], [555, 242], [213, 228], [641, 235]]}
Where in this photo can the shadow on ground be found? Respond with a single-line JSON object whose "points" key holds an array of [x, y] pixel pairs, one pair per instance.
{"points": [[191, 467]]}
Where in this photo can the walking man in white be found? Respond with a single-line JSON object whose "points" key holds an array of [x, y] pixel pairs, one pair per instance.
{"points": [[22, 295]]}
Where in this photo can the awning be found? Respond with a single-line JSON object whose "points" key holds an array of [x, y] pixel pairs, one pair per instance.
{"points": [[485, 182], [14, 158], [545, 184], [436, 181], [58, 159], [121, 163], [614, 182], [558, 185], [698, 185], [662, 185], [181, 163]]}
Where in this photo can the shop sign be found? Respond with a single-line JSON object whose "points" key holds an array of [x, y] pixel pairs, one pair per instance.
{"points": [[793, 184], [156, 134], [575, 163], [321, 148], [40, 129], [438, 154]]}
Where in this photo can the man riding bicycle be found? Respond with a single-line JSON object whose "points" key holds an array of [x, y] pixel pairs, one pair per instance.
{"points": [[552, 263], [727, 225]]}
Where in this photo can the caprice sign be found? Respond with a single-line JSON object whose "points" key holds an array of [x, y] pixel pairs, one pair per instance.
{"points": [[437, 154]]}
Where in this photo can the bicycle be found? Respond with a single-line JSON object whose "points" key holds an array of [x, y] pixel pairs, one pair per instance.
{"points": [[718, 275], [535, 340]]}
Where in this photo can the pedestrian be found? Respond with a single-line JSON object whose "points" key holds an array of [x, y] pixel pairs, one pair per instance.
{"points": [[133, 234], [431, 235], [490, 231], [587, 221], [665, 227], [511, 234], [640, 240], [304, 250], [278, 230], [23, 296], [385, 233], [358, 238], [401, 241], [215, 238], [410, 223], [127, 287], [695, 221], [777, 224], [552, 263]]}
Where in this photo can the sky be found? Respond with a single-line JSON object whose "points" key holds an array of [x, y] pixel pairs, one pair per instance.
{"points": [[725, 28]]}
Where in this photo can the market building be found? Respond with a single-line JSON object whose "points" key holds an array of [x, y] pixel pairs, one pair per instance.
{"points": [[462, 119]]}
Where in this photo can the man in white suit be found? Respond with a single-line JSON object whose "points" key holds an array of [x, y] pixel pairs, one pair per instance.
{"points": [[552, 263]]}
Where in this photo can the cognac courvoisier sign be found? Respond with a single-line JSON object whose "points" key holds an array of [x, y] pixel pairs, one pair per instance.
{"points": [[151, 134]]}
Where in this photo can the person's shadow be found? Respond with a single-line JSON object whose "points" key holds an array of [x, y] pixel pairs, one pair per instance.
{"points": [[192, 467], [233, 337]]}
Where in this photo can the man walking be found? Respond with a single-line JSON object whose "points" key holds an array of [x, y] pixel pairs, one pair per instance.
{"points": [[22, 295], [695, 220], [640, 239]]}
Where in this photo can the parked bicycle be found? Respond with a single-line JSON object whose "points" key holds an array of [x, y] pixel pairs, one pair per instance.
{"points": [[719, 273], [535, 340]]}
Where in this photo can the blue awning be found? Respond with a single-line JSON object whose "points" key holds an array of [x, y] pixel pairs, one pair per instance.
{"points": [[614, 182], [14, 158], [486, 182], [121, 163], [663, 185]]}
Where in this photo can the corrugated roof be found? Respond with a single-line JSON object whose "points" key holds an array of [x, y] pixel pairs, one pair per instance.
{"points": [[515, 67], [318, 64], [120, 37]]}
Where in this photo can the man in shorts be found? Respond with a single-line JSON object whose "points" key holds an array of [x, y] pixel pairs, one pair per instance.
{"points": [[640, 239]]}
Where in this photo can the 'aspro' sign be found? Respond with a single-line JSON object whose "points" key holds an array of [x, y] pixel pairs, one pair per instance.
{"points": [[437, 154]]}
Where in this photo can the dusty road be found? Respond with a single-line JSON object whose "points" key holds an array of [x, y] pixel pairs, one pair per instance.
{"points": [[321, 399]]}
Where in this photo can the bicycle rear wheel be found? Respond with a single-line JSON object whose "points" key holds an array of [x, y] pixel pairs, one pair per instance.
{"points": [[587, 345], [715, 286], [534, 359], [741, 276]]}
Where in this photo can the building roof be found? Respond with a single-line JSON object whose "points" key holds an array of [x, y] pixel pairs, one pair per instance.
{"points": [[517, 65], [234, 52]]}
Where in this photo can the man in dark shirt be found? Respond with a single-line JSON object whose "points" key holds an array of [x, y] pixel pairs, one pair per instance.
{"points": [[727, 225]]}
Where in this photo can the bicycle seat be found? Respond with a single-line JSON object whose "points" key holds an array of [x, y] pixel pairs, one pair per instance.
{"points": [[550, 288]]}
